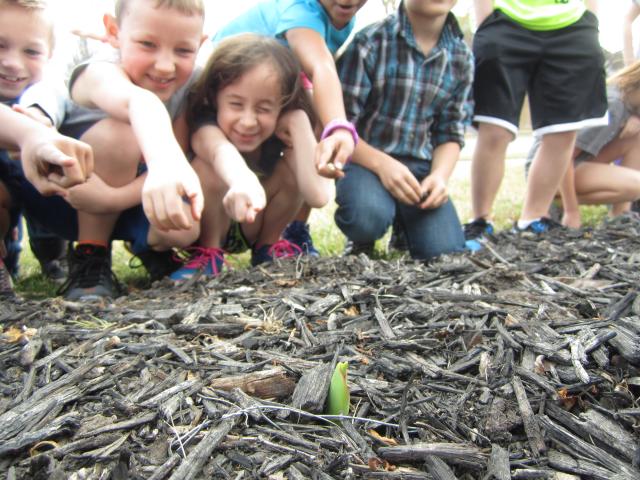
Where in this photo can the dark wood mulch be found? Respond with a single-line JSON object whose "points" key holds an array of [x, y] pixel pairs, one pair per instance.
{"points": [[519, 361]]}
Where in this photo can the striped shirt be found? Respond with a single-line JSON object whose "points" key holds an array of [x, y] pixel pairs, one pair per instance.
{"points": [[403, 102]]}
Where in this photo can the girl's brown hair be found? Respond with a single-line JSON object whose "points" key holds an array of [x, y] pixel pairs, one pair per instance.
{"points": [[236, 55], [627, 79]]}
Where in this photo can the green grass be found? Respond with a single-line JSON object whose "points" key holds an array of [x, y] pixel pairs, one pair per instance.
{"points": [[327, 237]]}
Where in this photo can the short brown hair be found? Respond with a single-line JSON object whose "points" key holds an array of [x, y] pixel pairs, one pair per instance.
{"points": [[37, 6], [189, 7]]}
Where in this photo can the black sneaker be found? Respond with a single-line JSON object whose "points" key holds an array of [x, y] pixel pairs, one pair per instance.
{"points": [[90, 276], [353, 248], [475, 233], [539, 226], [6, 285], [157, 264]]}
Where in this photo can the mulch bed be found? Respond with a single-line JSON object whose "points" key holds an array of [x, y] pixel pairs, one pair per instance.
{"points": [[518, 361]]}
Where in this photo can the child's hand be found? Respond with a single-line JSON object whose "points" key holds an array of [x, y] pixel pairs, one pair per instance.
{"points": [[53, 162], [434, 192], [399, 181], [164, 194], [93, 196], [243, 202], [333, 153]]}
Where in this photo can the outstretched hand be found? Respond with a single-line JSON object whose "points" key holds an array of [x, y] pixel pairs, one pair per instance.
{"points": [[164, 195], [243, 202], [53, 163]]}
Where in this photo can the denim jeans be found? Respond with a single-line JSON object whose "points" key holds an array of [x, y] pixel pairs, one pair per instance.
{"points": [[366, 210]]}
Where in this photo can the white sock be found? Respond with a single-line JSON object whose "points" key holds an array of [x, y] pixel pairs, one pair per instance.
{"points": [[522, 224]]}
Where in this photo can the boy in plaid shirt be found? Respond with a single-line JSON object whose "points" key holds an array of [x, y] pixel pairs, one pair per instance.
{"points": [[407, 85]]}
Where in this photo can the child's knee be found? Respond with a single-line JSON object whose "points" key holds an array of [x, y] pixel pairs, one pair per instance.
{"points": [[362, 223], [209, 181], [494, 135], [287, 178], [114, 145]]}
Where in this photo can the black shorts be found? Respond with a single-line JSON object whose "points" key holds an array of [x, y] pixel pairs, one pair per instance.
{"points": [[561, 70]]}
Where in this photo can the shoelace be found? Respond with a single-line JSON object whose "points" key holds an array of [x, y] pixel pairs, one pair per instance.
{"points": [[283, 249], [201, 256]]}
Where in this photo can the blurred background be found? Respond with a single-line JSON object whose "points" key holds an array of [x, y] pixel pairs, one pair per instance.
{"points": [[86, 15]]}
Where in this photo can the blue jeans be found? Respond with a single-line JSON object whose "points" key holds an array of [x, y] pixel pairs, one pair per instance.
{"points": [[366, 210]]}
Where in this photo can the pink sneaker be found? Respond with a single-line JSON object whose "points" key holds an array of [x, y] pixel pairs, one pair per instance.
{"points": [[280, 249], [208, 261]]}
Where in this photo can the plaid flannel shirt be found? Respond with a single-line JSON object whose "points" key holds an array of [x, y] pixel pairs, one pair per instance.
{"points": [[403, 102]]}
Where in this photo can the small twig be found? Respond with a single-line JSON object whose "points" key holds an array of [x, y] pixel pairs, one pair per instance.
{"points": [[173, 428], [325, 418], [496, 254]]}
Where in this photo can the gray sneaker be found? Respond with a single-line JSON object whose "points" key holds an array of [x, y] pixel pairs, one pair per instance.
{"points": [[90, 276]]}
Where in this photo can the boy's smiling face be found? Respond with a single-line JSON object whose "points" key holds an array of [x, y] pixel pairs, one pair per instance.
{"points": [[158, 45], [341, 11], [25, 48]]}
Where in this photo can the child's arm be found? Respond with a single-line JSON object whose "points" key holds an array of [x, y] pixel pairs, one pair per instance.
{"points": [[294, 127], [628, 50], [318, 64], [170, 178], [483, 9], [245, 197], [571, 215], [97, 197], [51, 162]]}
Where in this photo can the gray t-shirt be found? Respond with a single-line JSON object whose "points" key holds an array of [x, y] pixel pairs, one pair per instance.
{"points": [[593, 139], [55, 101]]}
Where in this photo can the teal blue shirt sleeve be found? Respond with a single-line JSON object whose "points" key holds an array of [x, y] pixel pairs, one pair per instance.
{"points": [[275, 17]]}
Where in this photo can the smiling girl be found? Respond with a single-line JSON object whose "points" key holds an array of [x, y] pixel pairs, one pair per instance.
{"points": [[314, 30], [254, 152]]}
